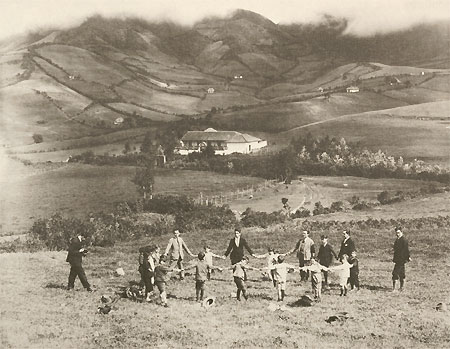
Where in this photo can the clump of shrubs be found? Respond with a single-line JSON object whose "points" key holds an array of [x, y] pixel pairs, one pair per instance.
{"points": [[205, 217], [100, 230], [252, 218], [386, 197], [336, 206], [301, 213]]}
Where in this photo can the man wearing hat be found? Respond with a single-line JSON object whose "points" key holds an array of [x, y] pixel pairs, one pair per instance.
{"points": [[401, 256], [325, 256], [75, 256]]}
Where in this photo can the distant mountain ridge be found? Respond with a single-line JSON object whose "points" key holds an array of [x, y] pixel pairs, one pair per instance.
{"points": [[248, 32], [78, 81]]}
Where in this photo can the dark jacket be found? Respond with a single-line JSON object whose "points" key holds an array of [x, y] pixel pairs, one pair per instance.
{"points": [[347, 247], [401, 251], [74, 256], [326, 254], [237, 252], [355, 269]]}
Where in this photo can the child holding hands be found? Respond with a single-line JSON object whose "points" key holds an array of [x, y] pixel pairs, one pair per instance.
{"points": [[239, 277], [209, 260], [344, 273], [315, 270], [280, 276], [161, 277]]}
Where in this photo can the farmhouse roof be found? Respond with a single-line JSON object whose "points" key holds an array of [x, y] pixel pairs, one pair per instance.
{"points": [[211, 134]]}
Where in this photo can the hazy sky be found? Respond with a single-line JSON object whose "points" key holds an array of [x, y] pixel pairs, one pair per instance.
{"points": [[366, 16]]}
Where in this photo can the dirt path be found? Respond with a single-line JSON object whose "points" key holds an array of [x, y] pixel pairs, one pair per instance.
{"points": [[299, 194]]}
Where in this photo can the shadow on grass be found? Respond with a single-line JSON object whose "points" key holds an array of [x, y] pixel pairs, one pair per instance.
{"points": [[172, 296], [261, 296], [56, 286], [376, 288]]}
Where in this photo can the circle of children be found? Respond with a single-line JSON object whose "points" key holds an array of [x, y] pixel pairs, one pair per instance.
{"points": [[155, 267]]}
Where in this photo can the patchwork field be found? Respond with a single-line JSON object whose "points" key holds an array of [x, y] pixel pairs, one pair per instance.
{"points": [[80, 62], [284, 116]]}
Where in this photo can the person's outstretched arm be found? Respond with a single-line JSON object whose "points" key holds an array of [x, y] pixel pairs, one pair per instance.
{"points": [[187, 249]]}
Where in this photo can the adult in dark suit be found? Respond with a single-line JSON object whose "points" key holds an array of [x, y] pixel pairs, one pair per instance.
{"points": [[347, 245], [75, 258], [236, 247], [325, 256], [401, 256]]}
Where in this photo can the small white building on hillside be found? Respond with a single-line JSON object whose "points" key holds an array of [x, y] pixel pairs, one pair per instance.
{"points": [[223, 142], [352, 89]]}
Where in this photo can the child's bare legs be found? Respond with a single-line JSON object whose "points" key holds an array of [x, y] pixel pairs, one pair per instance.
{"points": [[272, 276], [281, 286], [343, 290], [163, 297], [317, 289]]}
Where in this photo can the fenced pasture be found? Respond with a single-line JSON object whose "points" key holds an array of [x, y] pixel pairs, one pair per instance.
{"points": [[304, 193]]}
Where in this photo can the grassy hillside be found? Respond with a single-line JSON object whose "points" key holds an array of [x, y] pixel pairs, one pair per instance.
{"points": [[76, 190], [49, 316], [418, 131], [285, 116]]}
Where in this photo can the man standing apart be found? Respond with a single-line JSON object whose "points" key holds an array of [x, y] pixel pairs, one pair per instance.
{"points": [[176, 248], [305, 252], [347, 245], [401, 256], [75, 256]]}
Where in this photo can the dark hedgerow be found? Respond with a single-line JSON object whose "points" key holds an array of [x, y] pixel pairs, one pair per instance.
{"points": [[252, 218], [205, 217]]}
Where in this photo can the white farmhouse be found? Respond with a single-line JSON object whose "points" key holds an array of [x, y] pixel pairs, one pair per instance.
{"points": [[211, 90], [223, 142], [352, 89]]}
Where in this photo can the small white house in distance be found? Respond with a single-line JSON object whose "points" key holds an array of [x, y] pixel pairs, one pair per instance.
{"points": [[118, 121], [352, 89], [223, 142], [211, 90]]}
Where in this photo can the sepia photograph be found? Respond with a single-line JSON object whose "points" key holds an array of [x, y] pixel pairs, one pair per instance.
{"points": [[224, 174]]}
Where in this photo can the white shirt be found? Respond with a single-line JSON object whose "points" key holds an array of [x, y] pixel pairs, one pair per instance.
{"points": [[272, 261], [281, 270]]}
